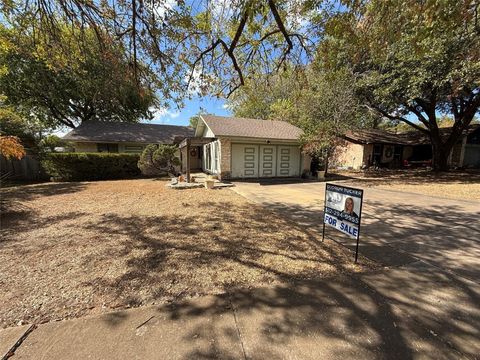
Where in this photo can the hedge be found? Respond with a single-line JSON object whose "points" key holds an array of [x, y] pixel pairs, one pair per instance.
{"points": [[90, 166]]}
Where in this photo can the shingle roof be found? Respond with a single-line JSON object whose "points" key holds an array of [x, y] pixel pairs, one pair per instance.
{"points": [[98, 131], [251, 128], [378, 136], [414, 137]]}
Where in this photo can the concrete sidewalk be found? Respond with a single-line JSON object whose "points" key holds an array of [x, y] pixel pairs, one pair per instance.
{"points": [[402, 313]]}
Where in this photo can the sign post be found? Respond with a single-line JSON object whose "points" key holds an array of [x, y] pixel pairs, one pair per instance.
{"points": [[343, 211]]}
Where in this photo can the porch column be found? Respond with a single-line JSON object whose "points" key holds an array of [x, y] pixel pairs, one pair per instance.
{"points": [[188, 160]]}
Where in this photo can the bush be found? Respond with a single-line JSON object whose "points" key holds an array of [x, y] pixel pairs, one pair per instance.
{"points": [[159, 160], [90, 166]]}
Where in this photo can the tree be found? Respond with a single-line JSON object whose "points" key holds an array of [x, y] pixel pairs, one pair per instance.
{"points": [[11, 147], [412, 60], [194, 119], [325, 109], [260, 95], [13, 123], [159, 160], [50, 142], [64, 83], [222, 42]]}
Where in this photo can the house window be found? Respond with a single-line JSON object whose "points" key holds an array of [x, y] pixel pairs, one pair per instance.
{"points": [[110, 148]]}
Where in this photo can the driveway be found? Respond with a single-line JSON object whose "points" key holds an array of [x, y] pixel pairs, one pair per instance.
{"points": [[398, 228], [430, 249]]}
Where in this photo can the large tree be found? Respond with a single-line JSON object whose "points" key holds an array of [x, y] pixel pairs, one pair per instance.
{"points": [[414, 61], [222, 43], [63, 82]]}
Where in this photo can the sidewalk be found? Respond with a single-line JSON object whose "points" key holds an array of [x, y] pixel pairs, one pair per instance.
{"points": [[403, 313]]}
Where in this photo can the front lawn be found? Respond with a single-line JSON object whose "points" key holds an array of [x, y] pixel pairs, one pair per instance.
{"points": [[459, 185], [71, 249]]}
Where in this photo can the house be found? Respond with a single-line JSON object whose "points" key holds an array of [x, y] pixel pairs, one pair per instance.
{"points": [[365, 148], [114, 137], [239, 148]]}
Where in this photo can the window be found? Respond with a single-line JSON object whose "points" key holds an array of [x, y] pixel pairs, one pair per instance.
{"points": [[110, 148]]}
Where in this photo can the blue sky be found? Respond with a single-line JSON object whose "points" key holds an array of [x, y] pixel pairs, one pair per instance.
{"points": [[175, 116]]}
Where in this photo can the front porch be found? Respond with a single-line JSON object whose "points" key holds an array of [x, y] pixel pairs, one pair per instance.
{"points": [[191, 155]]}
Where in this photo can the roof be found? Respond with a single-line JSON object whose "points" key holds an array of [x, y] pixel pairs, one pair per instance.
{"points": [[251, 128], [370, 136], [415, 137], [98, 131]]}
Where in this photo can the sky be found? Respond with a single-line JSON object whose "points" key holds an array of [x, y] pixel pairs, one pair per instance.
{"points": [[174, 116]]}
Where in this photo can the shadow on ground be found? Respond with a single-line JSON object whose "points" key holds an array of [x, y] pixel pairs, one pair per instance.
{"points": [[414, 177], [446, 236]]}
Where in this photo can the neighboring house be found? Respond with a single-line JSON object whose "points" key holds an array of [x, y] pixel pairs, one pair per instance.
{"points": [[114, 137], [237, 148], [365, 148]]}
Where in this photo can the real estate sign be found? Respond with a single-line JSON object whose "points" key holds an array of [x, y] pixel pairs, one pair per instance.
{"points": [[343, 208]]}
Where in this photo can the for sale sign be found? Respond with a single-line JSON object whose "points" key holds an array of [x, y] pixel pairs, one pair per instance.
{"points": [[343, 208]]}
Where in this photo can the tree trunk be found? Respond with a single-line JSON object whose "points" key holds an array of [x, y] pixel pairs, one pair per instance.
{"points": [[440, 154], [326, 164]]}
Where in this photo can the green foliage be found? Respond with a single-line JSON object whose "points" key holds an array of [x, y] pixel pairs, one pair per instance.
{"points": [[262, 95], [90, 166], [63, 83], [323, 104], [411, 59], [194, 121], [13, 123], [159, 160], [50, 142]]}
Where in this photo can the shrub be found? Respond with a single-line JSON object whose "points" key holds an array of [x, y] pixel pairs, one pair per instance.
{"points": [[159, 160], [90, 166]]}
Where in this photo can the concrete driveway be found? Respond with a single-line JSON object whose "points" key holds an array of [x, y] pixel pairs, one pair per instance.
{"points": [[430, 248], [398, 228]]}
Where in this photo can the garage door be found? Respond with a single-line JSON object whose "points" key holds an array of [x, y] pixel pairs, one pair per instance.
{"points": [[244, 161], [288, 163], [253, 161]]}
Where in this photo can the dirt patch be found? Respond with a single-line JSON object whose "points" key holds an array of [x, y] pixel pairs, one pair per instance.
{"points": [[453, 185], [71, 249]]}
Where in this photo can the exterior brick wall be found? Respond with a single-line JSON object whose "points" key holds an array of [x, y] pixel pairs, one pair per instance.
{"points": [[225, 158], [348, 155]]}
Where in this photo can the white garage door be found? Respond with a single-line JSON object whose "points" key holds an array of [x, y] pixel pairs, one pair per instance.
{"points": [[253, 161]]}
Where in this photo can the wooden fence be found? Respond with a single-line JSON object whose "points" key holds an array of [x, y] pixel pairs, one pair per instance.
{"points": [[28, 168]]}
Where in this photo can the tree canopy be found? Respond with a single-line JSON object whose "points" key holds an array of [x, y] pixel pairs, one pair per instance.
{"points": [[63, 82], [412, 60]]}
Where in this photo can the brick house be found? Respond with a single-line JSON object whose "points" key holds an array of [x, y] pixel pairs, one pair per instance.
{"points": [[238, 148], [365, 148]]}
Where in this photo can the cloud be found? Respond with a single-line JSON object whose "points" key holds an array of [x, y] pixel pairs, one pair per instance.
{"points": [[164, 115], [225, 106], [161, 8]]}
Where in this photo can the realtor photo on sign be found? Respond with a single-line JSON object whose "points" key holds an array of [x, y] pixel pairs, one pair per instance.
{"points": [[342, 209]]}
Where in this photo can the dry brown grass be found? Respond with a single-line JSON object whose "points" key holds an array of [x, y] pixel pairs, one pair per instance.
{"points": [[70, 249], [460, 185]]}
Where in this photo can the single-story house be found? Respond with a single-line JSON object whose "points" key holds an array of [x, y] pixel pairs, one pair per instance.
{"points": [[238, 148], [365, 148], [120, 137]]}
